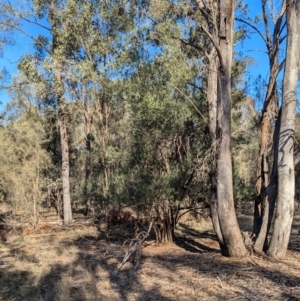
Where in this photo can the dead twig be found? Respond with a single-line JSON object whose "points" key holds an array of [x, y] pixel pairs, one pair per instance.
{"points": [[220, 282]]}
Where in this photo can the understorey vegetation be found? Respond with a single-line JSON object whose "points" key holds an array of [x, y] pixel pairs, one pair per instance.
{"points": [[138, 113]]}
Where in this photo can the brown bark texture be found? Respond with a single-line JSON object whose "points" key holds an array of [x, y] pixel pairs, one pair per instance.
{"points": [[265, 196]]}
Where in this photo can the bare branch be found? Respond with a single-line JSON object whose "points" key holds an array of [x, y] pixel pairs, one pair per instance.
{"points": [[26, 34], [253, 27], [36, 23], [278, 29], [265, 17]]}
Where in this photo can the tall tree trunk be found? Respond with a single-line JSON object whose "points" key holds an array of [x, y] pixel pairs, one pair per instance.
{"points": [[87, 197], [219, 29], [265, 197], [225, 203], [263, 191], [268, 197], [65, 164], [212, 96], [286, 179], [88, 146], [59, 93], [103, 110], [273, 186], [262, 172]]}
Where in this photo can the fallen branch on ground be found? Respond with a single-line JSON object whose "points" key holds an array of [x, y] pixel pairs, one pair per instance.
{"points": [[135, 248]]}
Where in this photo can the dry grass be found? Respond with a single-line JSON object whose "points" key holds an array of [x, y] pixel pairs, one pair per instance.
{"points": [[76, 263]]}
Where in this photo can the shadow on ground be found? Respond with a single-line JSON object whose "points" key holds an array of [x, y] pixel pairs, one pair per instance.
{"points": [[188, 270]]}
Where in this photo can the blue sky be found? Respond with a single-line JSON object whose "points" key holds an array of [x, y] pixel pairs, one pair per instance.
{"points": [[253, 47]]}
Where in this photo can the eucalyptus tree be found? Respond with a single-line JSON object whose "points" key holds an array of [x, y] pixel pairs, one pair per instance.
{"points": [[197, 27], [266, 182], [47, 69], [285, 164], [96, 80], [218, 26], [275, 188], [77, 60], [46, 66], [59, 52], [266, 185]]}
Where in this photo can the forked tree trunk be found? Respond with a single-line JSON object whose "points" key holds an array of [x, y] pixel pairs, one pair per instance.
{"points": [[219, 30], [286, 179], [266, 183]]}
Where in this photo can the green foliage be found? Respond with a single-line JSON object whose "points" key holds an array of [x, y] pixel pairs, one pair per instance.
{"points": [[245, 148], [133, 89], [23, 160]]}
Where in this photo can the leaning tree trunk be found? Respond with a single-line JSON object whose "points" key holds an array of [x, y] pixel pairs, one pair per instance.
{"points": [[263, 198], [273, 186], [266, 185], [268, 196], [286, 178], [225, 203]]}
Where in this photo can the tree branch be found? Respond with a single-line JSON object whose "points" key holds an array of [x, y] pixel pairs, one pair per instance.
{"points": [[190, 100], [189, 43], [253, 27], [34, 22], [265, 17], [214, 42], [26, 34]]}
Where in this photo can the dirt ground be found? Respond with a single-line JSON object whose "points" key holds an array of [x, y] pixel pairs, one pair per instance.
{"points": [[59, 263]]}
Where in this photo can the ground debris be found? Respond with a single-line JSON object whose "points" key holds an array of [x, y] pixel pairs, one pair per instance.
{"points": [[78, 263]]}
